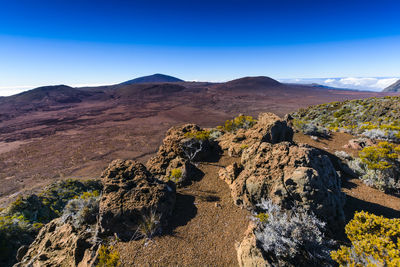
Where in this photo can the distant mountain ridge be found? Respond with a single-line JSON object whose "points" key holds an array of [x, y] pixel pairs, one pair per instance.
{"points": [[250, 83], [155, 78], [395, 87]]}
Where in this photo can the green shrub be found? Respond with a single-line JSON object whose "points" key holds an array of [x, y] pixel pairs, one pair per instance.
{"points": [[375, 242], [82, 210], [355, 117], [108, 257], [381, 157], [240, 122], [22, 219], [199, 135], [176, 175]]}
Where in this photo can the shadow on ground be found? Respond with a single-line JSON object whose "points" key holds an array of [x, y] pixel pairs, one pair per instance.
{"points": [[184, 211], [354, 204]]}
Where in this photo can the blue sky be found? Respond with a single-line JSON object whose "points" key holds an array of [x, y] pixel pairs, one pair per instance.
{"points": [[103, 42]]}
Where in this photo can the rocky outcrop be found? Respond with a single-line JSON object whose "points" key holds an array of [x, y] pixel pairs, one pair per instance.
{"points": [[287, 173], [178, 152], [131, 192], [60, 243], [248, 253], [269, 128]]}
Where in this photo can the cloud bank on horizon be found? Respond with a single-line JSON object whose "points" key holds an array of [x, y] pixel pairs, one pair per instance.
{"points": [[358, 83]]}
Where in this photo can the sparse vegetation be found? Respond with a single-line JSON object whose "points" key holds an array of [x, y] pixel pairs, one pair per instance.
{"points": [[150, 224], [108, 257], [176, 175], [198, 135], [375, 241], [379, 166], [383, 156], [240, 122], [244, 146], [291, 236], [376, 118], [310, 128], [82, 210], [22, 219], [194, 143]]}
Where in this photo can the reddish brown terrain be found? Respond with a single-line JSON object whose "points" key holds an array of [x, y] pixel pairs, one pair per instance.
{"points": [[62, 132]]}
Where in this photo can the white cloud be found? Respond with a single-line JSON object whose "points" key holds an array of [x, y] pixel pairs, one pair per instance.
{"points": [[383, 83], [359, 83], [369, 83], [329, 80]]}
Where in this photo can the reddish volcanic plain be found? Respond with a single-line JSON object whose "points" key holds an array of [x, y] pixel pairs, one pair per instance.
{"points": [[61, 132]]}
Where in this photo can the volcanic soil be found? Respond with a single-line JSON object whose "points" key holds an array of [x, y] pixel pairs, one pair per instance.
{"points": [[58, 133], [203, 230]]}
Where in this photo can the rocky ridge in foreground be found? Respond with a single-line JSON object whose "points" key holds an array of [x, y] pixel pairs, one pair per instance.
{"points": [[136, 201]]}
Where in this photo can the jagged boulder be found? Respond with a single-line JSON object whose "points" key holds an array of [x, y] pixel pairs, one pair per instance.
{"points": [[131, 192], [269, 128], [61, 243], [287, 173], [178, 151]]}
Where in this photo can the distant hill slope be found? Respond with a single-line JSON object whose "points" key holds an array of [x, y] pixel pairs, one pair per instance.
{"points": [[134, 90], [393, 88], [52, 94], [155, 78], [250, 83], [46, 98]]}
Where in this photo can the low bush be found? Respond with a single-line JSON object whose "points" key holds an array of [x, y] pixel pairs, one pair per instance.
{"points": [[375, 241], [239, 122], [82, 210], [378, 166], [199, 135], [309, 128], [291, 236], [15, 231], [108, 257], [150, 224], [215, 134], [383, 156], [176, 175]]}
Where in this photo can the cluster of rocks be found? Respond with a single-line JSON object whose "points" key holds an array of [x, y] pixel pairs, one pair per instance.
{"points": [[273, 167], [129, 193]]}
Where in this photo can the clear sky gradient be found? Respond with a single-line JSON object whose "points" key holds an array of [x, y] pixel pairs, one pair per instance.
{"points": [[104, 42]]}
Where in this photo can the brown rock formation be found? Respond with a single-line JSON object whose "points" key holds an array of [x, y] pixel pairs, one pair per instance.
{"points": [[172, 154], [287, 173], [59, 243], [249, 254], [269, 128], [131, 192]]}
